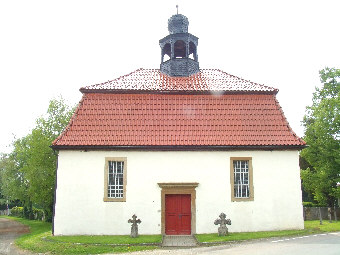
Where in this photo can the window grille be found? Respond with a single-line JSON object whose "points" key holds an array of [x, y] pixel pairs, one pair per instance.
{"points": [[241, 179], [115, 179]]}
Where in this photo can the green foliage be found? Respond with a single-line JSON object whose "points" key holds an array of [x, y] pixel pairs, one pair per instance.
{"points": [[17, 212], [322, 134], [38, 214], [13, 184], [2, 198], [311, 204], [28, 173], [307, 204]]}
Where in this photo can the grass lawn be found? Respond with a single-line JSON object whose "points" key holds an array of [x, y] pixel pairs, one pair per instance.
{"points": [[311, 227], [142, 239], [41, 240]]}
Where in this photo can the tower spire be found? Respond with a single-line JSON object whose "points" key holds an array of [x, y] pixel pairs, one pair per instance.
{"points": [[179, 48]]}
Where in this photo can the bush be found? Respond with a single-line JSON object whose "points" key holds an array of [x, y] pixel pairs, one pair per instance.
{"points": [[38, 214], [48, 216], [28, 214], [24, 212], [311, 204], [307, 204], [17, 211]]}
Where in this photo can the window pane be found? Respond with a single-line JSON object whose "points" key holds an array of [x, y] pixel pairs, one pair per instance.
{"points": [[115, 179], [111, 167], [111, 179], [241, 178]]}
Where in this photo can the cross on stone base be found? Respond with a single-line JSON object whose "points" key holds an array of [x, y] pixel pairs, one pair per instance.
{"points": [[134, 226], [222, 229]]}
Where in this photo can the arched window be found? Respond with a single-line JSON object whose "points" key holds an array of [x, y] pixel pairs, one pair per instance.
{"points": [[166, 52], [180, 49], [192, 51]]}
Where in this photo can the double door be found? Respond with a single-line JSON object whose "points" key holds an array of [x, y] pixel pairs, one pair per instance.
{"points": [[178, 214]]}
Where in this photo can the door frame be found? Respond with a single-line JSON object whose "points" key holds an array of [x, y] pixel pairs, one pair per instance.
{"points": [[179, 188]]}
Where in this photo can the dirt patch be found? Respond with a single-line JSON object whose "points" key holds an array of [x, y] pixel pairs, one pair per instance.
{"points": [[9, 231], [15, 229]]}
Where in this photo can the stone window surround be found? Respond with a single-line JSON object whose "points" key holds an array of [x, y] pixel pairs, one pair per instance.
{"points": [[251, 185], [106, 170], [179, 188]]}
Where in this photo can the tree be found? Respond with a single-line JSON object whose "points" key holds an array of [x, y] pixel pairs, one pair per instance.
{"points": [[322, 134], [28, 173], [3, 200]]}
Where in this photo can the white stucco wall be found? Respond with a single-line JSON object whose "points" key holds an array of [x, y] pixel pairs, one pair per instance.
{"points": [[79, 199]]}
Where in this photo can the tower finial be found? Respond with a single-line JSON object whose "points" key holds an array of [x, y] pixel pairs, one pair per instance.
{"points": [[179, 48]]}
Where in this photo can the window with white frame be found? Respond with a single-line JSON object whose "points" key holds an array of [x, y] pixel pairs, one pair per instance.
{"points": [[241, 179], [115, 179]]}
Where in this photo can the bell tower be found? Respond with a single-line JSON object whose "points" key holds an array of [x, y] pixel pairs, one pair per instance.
{"points": [[179, 49]]}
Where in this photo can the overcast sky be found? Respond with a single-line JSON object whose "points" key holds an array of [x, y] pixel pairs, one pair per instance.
{"points": [[51, 48]]}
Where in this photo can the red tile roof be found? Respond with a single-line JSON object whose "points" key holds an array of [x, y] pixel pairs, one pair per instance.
{"points": [[209, 80], [108, 120]]}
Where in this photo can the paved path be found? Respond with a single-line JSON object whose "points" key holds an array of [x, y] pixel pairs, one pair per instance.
{"points": [[9, 230]]}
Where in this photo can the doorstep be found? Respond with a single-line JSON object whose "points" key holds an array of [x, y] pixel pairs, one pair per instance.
{"points": [[179, 241]]}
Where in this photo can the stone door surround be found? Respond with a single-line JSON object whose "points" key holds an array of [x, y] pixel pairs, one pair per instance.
{"points": [[179, 188]]}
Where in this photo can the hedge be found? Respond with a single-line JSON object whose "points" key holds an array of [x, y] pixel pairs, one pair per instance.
{"points": [[38, 214], [17, 211]]}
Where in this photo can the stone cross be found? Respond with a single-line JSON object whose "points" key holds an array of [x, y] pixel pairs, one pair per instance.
{"points": [[134, 226], [222, 229]]}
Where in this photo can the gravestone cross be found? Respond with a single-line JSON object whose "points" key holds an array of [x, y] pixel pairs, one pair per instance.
{"points": [[134, 226], [222, 229]]}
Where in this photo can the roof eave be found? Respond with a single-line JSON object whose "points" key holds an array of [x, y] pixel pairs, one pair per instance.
{"points": [[175, 92], [179, 147]]}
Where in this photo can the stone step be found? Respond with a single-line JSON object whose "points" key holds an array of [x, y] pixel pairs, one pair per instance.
{"points": [[179, 241]]}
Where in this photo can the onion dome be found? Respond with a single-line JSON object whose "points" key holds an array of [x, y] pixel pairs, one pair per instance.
{"points": [[178, 24]]}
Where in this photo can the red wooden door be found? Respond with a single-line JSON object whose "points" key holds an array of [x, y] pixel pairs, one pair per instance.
{"points": [[178, 214]]}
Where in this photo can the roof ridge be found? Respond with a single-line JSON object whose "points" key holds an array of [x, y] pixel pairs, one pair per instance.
{"points": [[247, 80], [115, 79], [122, 76], [152, 79]]}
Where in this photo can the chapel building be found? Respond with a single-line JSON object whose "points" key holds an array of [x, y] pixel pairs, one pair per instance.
{"points": [[177, 146]]}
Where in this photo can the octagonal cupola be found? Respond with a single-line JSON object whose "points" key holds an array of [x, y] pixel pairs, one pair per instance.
{"points": [[179, 49]]}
